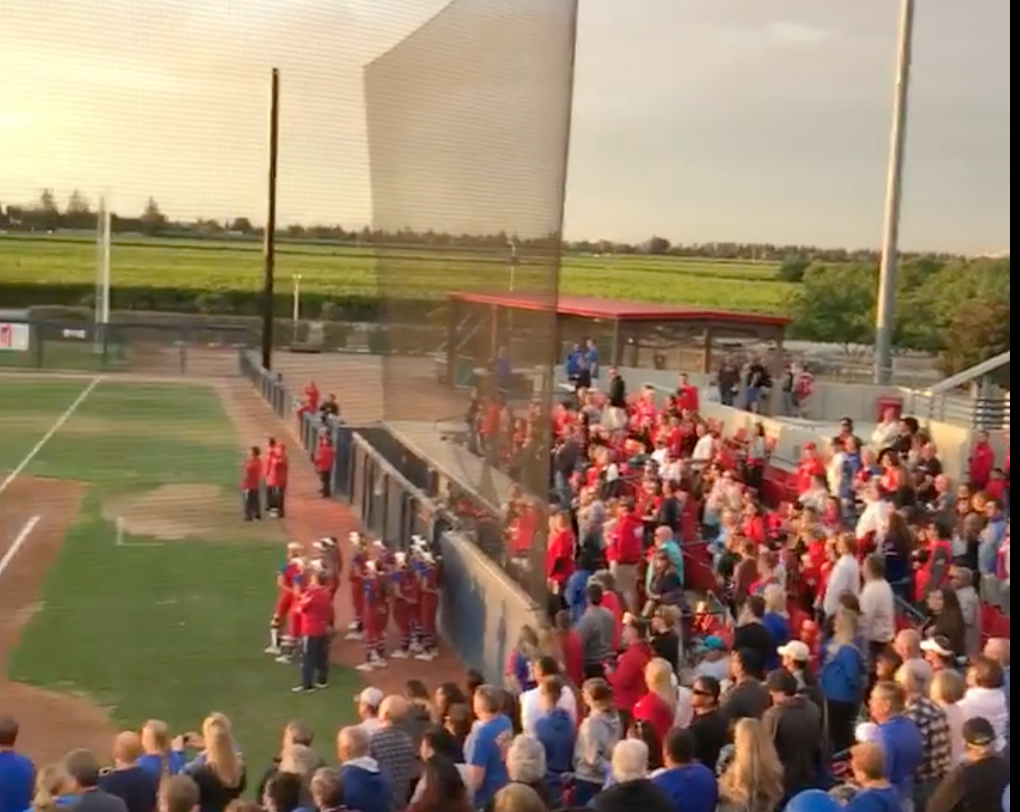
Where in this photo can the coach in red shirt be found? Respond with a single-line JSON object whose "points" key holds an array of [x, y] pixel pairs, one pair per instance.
{"points": [[315, 618], [251, 484]]}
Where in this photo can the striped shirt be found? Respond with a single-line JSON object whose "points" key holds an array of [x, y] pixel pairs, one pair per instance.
{"points": [[933, 724]]}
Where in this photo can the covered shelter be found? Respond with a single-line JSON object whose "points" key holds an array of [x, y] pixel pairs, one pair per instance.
{"points": [[539, 330]]}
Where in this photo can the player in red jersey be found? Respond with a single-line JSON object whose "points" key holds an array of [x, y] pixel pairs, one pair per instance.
{"points": [[406, 598], [376, 616], [281, 635], [429, 582], [359, 565], [329, 562]]}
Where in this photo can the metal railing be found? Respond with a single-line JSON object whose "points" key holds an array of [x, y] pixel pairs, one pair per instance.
{"points": [[983, 414]]}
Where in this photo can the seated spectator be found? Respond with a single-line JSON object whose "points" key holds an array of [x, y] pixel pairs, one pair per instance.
{"points": [[875, 793], [531, 701], [132, 783], [364, 786], [631, 788], [160, 759], [17, 773], [981, 782], [688, 783], [445, 790], [83, 774], [753, 781]]}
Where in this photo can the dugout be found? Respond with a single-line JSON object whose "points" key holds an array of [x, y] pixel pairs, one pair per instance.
{"points": [[628, 334]]}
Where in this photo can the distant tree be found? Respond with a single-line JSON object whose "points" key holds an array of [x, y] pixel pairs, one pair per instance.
{"points": [[242, 225], [153, 219], [978, 330], [836, 305], [793, 268], [658, 246], [47, 201], [48, 215]]}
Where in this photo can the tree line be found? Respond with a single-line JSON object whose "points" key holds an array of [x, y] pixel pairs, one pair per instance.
{"points": [[78, 214]]}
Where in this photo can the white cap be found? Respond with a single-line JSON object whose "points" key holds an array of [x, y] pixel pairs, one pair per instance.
{"points": [[933, 646], [371, 697], [796, 651]]}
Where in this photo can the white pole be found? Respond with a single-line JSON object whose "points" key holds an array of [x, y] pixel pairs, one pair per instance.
{"points": [[297, 304], [107, 241], [885, 321]]}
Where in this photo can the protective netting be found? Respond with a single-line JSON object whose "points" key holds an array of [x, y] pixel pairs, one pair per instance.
{"points": [[468, 126]]}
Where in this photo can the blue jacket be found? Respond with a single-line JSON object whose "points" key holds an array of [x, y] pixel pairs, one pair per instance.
{"points": [[558, 735], [842, 677], [575, 596], [692, 788], [365, 788]]}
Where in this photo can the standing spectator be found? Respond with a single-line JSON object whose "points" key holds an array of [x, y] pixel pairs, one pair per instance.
{"points": [[394, 750], [907, 646], [218, 771], [845, 577], [556, 729], [796, 727], [251, 485], [982, 781], [710, 727], [898, 737], [283, 793], [688, 783], [658, 706], [748, 698], [878, 607], [753, 782], [947, 689], [962, 581], [51, 790], [795, 657], [294, 734], [518, 798], [936, 739], [437, 741], [628, 679], [986, 697], [160, 758], [997, 649], [487, 746], [327, 794], [526, 766], [128, 780], [445, 790], [599, 733], [314, 608], [83, 771], [364, 787], [596, 630], [843, 680], [752, 635], [178, 793], [867, 765], [531, 701], [631, 789], [368, 702], [325, 457], [17, 773]]}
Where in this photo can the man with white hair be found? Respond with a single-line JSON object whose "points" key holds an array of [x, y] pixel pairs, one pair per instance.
{"points": [[936, 736], [907, 644], [632, 788]]}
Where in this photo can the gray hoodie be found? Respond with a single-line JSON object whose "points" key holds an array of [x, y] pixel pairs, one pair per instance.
{"points": [[596, 738], [596, 630]]}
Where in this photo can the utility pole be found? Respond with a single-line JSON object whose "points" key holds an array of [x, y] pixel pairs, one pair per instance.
{"points": [[885, 321], [269, 239]]}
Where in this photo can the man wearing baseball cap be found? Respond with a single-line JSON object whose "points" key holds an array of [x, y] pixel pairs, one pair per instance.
{"points": [[981, 782], [795, 657]]}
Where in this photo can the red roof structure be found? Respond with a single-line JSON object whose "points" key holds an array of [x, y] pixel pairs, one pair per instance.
{"points": [[593, 307]]}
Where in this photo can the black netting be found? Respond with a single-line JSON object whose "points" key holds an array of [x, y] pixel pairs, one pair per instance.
{"points": [[468, 126]]}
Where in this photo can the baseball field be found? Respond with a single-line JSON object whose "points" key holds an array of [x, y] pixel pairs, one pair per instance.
{"points": [[336, 272], [129, 587]]}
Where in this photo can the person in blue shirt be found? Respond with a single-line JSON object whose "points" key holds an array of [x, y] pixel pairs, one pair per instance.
{"points": [[365, 786], [842, 680], [556, 730], [573, 362], [898, 737], [777, 623], [591, 357], [17, 773], [814, 800], [876, 794], [486, 747], [160, 759], [690, 785]]}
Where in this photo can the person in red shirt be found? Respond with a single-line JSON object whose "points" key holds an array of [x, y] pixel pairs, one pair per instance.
{"points": [[280, 465], [270, 478], [809, 468], [251, 485], [429, 584], [310, 404], [331, 562], [325, 457], [658, 706], [625, 552], [315, 616], [406, 598], [980, 462], [628, 677], [356, 580], [559, 553], [687, 399], [376, 613]]}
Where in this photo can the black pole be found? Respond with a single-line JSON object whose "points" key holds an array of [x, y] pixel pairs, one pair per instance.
{"points": [[269, 242]]}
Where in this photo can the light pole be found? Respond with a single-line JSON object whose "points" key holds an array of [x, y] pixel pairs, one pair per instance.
{"points": [[512, 246], [885, 320], [296, 315]]}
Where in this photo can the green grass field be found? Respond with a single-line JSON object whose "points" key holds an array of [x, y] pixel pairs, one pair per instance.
{"points": [[156, 628], [338, 271]]}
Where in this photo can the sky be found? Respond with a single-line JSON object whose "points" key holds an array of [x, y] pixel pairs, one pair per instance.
{"points": [[730, 120]]}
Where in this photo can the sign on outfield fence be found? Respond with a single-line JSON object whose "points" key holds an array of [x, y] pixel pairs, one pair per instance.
{"points": [[14, 337]]}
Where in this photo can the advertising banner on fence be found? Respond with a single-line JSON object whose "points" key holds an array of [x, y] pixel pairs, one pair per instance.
{"points": [[14, 337]]}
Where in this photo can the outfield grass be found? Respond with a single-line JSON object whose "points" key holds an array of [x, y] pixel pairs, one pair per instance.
{"points": [[152, 630], [340, 271]]}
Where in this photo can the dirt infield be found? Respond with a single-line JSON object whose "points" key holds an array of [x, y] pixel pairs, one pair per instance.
{"points": [[36, 513], [310, 517]]}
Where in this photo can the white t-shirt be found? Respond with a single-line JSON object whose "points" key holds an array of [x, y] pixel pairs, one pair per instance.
{"points": [[878, 612], [531, 708], [845, 577], [704, 450]]}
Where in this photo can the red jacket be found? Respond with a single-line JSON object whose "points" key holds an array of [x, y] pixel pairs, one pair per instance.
{"points": [[325, 454], [251, 474], [315, 611], [559, 556], [628, 679], [653, 709], [627, 545], [980, 465]]}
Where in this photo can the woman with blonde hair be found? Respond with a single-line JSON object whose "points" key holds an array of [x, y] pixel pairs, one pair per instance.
{"points": [[753, 782], [777, 620], [947, 689], [219, 770], [52, 787], [658, 707], [160, 758], [843, 680]]}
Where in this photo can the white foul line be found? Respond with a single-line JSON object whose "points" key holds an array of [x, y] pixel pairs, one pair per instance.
{"points": [[18, 543], [34, 452]]}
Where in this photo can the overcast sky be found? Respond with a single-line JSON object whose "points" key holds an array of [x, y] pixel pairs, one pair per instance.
{"points": [[696, 120]]}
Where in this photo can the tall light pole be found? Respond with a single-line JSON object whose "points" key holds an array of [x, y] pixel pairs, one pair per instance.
{"points": [[885, 321], [297, 305]]}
